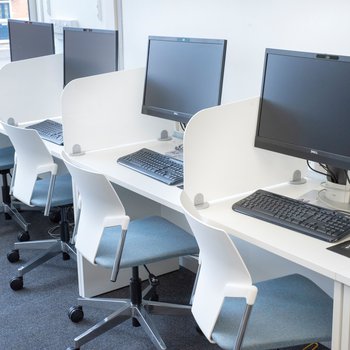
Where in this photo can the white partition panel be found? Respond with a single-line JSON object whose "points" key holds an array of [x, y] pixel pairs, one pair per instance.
{"points": [[104, 111], [31, 89], [219, 154]]}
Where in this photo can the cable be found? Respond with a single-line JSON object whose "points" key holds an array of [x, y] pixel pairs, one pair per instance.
{"points": [[55, 235], [316, 171], [183, 126], [333, 176], [329, 173], [311, 346], [347, 175]]}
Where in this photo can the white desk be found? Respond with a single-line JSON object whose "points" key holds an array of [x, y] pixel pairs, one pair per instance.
{"points": [[232, 128], [220, 163]]}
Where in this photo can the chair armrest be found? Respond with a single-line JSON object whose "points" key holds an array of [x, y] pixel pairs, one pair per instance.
{"points": [[249, 292], [122, 221], [47, 168], [49, 195]]}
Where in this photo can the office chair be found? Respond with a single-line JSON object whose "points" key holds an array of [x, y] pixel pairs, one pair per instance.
{"points": [[235, 314], [6, 164], [106, 237], [36, 183]]}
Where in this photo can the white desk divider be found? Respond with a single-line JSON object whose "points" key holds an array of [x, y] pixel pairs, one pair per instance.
{"points": [[31, 89], [104, 111], [220, 158], [101, 112]]}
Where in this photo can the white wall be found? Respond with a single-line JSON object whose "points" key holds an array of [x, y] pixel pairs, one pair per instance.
{"points": [[249, 25], [89, 13]]}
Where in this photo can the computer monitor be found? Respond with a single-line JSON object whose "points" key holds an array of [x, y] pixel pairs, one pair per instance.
{"points": [[89, 52], [30, 39], [183, 76], [305, 109]]}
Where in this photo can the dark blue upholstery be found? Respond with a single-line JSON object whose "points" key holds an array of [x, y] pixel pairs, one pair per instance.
{"points": [[273, 322], [148, 240]]}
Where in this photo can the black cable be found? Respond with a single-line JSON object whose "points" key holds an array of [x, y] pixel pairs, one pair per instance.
{"points": [[183, 126], [347, 175], [316, 171], [331, 173]]}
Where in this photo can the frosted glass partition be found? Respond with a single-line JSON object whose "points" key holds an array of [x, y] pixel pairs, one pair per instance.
{"points": [[31, 89]]}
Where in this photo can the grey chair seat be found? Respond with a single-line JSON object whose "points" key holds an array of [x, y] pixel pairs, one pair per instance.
{"points": [[62, 194], [148, 240], [275, 319], [7, 158]]}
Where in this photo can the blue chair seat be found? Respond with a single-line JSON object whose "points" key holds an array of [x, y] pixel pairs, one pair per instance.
{"points": [[284, 318], [147, 240], [7, 158], [62, 194]]}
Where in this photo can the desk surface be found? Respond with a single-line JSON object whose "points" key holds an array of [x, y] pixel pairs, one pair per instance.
{"points": [[301, 249], [106, 162]]}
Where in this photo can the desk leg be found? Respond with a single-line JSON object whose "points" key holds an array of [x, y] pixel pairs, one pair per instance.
{"points": [[337, 315], [345, 329]]}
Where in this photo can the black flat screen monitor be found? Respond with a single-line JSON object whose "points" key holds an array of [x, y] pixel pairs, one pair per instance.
{"points": [[30, 39], [89, 52], [305, 108], [183, 76]]}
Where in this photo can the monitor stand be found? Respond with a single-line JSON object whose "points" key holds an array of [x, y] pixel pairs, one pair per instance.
{"points": [[331, 196], [335, 195]]}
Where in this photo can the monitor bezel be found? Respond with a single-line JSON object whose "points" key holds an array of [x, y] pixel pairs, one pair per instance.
{"points": [[94, 30], [303, 152], [25, 22], [171, 114]]}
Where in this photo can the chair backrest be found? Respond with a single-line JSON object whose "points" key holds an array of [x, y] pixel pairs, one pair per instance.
{"points": [[32, 159], [222, 271], [100, 207]]}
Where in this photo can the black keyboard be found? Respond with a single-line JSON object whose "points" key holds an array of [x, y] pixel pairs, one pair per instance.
{"points": [[49, 130], [156, 165], [326, 224]]}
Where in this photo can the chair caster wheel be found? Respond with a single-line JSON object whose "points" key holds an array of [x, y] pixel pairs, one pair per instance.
{"points": [[76, 314], [23, 236], [65, 256], [16, 283], [13, 256], [7, 216]]}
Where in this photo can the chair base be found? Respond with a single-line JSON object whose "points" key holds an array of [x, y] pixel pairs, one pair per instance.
{"points": [[11, 212], [134, 308], [51, 248]]}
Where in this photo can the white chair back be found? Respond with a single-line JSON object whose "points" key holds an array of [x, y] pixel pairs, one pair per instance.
{"points": [[222, 272], [32, 159], [100, 207]]}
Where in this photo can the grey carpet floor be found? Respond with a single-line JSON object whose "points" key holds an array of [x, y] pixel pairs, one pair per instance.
{"points": [[36, 316]]}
